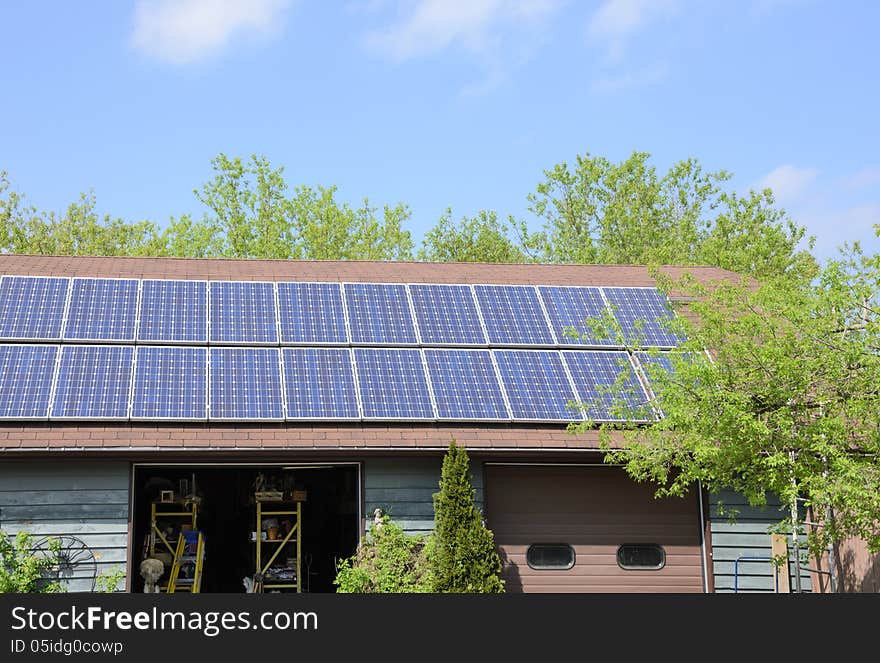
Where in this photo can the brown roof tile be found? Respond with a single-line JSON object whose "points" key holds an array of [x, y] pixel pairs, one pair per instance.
{"points": [[135, 438], [353, 270]]}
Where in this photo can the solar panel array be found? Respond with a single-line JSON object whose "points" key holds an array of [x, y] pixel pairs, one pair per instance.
{"points": [[85, 348]]}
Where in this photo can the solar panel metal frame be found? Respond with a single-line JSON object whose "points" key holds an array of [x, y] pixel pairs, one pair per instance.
{"points": [[204, 342], [383, 344], [470, 287], [642, 358], [562, 341], [250, 347], [568, 377], [56, 417], [323, 344], [68, 340], [427, 377], [191, 347], [52, 377], [508, 419], [637, 376], [356, 391], [614, 310], [551, 345], [48, 339], [252, 344]]}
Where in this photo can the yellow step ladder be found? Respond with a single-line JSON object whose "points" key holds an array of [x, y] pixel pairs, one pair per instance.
{"points": [[190, 550]]}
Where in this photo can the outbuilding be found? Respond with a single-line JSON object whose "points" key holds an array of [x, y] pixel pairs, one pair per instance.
{"points": [[273, 406]]}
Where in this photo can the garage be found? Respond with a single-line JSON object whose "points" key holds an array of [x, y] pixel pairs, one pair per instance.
{"points": [[283, 525], [567, 528]]}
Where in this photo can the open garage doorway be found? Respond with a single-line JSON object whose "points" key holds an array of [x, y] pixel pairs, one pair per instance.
{"points": [[231, 507]]}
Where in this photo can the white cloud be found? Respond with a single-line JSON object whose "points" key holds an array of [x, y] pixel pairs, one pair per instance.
{"points": [[629, 80], [616, 20], [185, 31], [788, 182], [475, 25], [835, 226], [863, 179]]}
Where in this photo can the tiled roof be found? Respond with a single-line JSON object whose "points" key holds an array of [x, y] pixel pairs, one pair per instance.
{"points": [[352, 270], [261, 437], [143, 439]]}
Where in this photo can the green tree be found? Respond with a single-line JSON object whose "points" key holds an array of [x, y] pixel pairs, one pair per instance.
{"points": [[78, 231], [596, 211], [464, 558], [251, 215], [387, 561], [788, 404], [481, 238]]}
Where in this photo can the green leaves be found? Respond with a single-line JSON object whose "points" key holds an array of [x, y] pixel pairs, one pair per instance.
{"points": [[464, 558], [482, 238], [387, 561], [252, 216], [789, 403], [592, 211], [25, 570]]}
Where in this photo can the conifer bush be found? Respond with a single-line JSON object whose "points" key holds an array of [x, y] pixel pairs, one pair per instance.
{"points": [[463, 555]]}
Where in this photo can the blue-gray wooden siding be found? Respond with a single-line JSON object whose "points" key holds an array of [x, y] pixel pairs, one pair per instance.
{"points": [[87, 500], [747, 536], [404, 489]]}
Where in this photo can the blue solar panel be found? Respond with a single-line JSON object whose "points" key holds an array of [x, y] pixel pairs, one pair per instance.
{"points": [[32, 307], [447, 315], [662, 360], [246, 384], [595, 376], [536, 384], [243, 312], [379, 314], [513, 315], [569, 307], [465, 385], [392, 384], [641, 313], [311, 313], [102, 310], [320, 384], [93, 382], [170, 383], [26, 373], [174, 312]]}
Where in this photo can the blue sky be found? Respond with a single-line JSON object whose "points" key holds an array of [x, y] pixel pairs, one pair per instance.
{"points": [[441, 104]]}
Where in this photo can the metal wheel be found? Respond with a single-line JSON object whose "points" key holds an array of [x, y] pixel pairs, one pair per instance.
{"points": [[75, 558]]}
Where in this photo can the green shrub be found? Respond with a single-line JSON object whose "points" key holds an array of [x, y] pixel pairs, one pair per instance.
{"points": [[108, 581], [387, 561], [26, 571], [464, 558]]}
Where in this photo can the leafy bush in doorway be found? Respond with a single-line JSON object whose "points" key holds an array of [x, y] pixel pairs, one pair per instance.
{"points": [[387, 561]]}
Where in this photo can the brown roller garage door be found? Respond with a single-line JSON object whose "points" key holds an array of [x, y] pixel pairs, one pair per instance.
{"points": [[594, 510]]}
